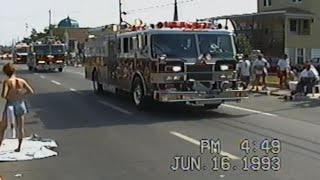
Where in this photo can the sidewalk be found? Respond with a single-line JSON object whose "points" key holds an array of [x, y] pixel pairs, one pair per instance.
{"points": [[273, 91]]}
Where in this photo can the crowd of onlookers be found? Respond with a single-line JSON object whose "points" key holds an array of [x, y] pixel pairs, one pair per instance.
{"points": [[254, 72]]}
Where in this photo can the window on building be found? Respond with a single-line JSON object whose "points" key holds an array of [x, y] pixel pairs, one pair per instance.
{"points": [[293, 25], [131, 45], [300, 55], [119, 45], [125, 45], [300, 26], [266, 3]]}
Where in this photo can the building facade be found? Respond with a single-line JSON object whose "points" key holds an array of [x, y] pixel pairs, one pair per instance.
{"points": [[282, 26]]}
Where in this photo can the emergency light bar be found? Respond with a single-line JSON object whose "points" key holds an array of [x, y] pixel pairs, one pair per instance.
{"points": [[186, 26], [182, 25]]}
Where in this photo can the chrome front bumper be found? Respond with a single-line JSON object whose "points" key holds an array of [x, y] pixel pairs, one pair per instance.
{"points": [[200, 98]]}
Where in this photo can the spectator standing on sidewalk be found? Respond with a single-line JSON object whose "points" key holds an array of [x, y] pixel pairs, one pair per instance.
{"points": [[245, 67], [238, 66], [260, 67], [283, 71]]}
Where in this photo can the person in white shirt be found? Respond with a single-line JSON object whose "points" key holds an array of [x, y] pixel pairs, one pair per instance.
{"points": [[238, 66], [285, 56], [283, 70], [244, 71], [260, 67], [307, 78], [315, 71]]}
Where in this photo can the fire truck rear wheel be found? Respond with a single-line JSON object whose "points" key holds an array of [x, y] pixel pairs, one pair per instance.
{"points": [[138, 94], [60, 69], [29, 68]]}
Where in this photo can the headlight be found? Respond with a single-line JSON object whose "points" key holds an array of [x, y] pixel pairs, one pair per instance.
{"points": [[224, 67], [173, 78], [59, 61], [176, 68], [41, 62]]}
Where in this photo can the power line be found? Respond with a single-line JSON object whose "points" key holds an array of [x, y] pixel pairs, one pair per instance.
{"points": [[159, 6]]}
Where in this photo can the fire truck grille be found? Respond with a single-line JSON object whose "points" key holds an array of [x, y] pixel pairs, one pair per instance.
{"points": [[200, 77], [202, 72], [200, 68]]}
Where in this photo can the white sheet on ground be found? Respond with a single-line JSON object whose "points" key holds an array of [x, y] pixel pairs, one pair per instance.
{"points": [[32, 148]]}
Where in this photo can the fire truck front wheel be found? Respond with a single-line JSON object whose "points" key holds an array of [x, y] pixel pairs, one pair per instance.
{"points": [[138, 94], [60, 69]]}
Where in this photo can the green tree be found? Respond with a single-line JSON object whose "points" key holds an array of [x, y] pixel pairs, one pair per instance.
{"points": [[34, 34], [243, 44]]}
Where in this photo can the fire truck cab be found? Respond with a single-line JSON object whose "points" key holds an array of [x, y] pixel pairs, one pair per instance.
{"points": [[177, 62], [47, 56]]}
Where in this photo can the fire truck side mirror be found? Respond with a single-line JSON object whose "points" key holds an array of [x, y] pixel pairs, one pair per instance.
{"points": [[162, 57], [135, 43]]}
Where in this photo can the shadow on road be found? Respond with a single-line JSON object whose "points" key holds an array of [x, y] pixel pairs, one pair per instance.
{"points": [[66, 110]]}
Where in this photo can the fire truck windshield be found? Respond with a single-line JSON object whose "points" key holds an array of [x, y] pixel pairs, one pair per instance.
{"points": [[174, 45], [219, 46], [57, 49], [42, 49], [22, 50]]}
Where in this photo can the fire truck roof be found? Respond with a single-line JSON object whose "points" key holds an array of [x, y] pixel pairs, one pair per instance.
{"points": [[22, 45]]}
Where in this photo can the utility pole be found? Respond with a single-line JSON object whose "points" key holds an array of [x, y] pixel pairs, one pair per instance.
{"points": [[120, 12], [50, 30], [175, 13]]}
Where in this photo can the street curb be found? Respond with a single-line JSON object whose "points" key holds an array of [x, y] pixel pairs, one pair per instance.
{"points": [[269, 93]]}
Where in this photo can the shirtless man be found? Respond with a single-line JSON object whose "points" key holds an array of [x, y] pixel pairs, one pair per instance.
{"points": [[14, 91]]}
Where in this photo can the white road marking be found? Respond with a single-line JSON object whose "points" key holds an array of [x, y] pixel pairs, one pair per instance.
{"points": [[42, 77], [249, 110], [36, 73], [74, 90], [196, 142], [115, 107], [55, 82]]}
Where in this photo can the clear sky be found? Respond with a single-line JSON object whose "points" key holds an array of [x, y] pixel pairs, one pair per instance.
{"points": [[14, 14]]}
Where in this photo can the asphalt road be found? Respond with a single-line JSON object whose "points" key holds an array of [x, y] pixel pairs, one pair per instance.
{"points": [[105, 137]]}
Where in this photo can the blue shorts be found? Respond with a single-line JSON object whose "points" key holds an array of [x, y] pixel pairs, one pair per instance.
{"points": [[19, 107]]}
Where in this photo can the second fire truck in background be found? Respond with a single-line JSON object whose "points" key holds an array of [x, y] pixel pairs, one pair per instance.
{"points": [[47, 56], [20, 53]]}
